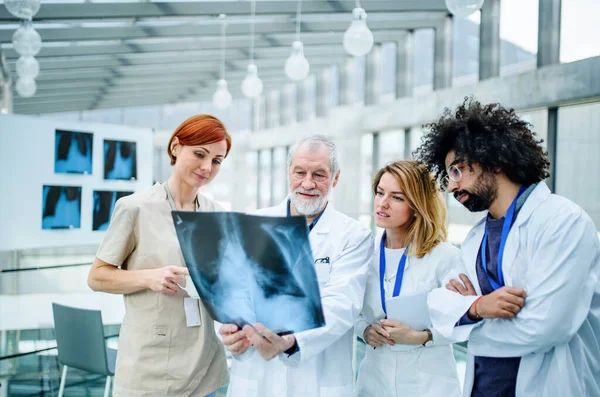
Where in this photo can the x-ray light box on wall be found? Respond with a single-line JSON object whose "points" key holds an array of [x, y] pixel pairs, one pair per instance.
{"points": [[61, 207], [120, 160], [72, 152], [104, 205]]}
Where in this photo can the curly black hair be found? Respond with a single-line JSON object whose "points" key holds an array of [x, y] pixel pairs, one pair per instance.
{"points": [[490, 135]]}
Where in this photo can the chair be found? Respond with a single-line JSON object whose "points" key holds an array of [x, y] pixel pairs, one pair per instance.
{"points": [[80, 341]]}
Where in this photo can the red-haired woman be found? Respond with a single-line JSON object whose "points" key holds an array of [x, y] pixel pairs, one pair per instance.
{"points": [[140, 257]]}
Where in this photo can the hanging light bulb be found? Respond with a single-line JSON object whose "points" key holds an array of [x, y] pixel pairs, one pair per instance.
{"points": [[23, 9], [358, 39], [26, 87], [297, 66], [222, 97], [252, 85], [463, 8], [28, 67], [26, 40]]}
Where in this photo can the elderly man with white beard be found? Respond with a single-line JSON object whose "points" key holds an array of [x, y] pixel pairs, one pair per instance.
{"points": [[317, 362]]}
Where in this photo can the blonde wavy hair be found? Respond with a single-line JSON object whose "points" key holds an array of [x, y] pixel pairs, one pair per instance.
{"points": [[428, 225]]}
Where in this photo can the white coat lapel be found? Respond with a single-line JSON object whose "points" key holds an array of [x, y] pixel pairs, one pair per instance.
{"points": [[319, 233], [539, 194]]}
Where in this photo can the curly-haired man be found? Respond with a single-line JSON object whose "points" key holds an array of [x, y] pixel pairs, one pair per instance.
{"points": [[529, 302]]}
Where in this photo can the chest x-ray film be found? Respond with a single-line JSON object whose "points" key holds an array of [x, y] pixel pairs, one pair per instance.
{"points": [[250, 269]]}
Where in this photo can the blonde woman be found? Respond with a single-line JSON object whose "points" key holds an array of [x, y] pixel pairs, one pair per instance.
{"points": [[411, 257]]}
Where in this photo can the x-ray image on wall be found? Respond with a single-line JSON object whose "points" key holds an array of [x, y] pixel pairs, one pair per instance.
{"points": [[61, 207], [120, 160], [251, 269], [73, 152], [104, 204]]}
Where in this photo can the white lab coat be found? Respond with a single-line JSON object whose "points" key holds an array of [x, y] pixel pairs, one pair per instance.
{"points": [[323, 366], [424, 371], [553, 252]]}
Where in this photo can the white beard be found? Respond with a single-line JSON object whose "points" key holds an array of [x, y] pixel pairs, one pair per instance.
{"points": [[308, 207]]}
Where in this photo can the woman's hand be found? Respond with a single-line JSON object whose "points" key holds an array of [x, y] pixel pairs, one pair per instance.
{"points": [[234, 339], [403, 334], [165, 279], [465, 288], [376, 336]]}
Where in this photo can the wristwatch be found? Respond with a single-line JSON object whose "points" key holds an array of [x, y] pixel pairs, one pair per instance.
{"points": [[429, 341]]}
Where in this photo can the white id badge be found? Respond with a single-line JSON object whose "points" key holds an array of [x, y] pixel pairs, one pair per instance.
{"points": [[192, 312]]}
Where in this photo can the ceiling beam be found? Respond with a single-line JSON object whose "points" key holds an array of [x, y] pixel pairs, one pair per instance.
{"points": [[52, 34], [213, 8], [190, 45]]}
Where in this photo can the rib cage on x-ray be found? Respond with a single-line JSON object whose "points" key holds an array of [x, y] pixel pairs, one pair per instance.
{"points": [[251, 269], [61, 207], [73, 152], [120, 160]]}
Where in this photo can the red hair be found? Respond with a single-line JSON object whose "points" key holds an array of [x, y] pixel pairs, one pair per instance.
{"points": [[201, 129]]}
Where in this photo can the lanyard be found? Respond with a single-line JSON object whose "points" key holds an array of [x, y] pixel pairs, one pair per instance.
{"points": [[172, 203], [399, 274], [508, 221]]}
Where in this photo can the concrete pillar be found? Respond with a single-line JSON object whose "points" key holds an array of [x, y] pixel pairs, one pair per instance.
{"points": [[373, 76], [405, 64], [548, 32], [489, 40], [442, 55], [288, 104], [323, 92], [6, 104], [549, 21], [348, 81], [272, 179], [407, 143], [273, 109], [258, 180]]}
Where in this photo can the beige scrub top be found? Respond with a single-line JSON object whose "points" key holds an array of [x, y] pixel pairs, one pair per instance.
{"points": [[158, 354]]}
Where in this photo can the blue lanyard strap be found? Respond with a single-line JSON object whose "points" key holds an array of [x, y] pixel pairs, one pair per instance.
{"points": [[508, 221], [399, 274]]}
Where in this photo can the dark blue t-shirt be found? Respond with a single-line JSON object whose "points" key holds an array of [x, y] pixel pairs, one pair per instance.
{"points": [[495, 376]]}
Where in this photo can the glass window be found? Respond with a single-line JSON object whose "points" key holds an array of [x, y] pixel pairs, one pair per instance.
{"points": [[391, 147], [423, 66], [579, 30]]}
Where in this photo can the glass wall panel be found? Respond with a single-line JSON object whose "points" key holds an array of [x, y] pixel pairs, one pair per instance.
{"points": [[391, 147], [519, 35], [578, 162], [579, 30]]}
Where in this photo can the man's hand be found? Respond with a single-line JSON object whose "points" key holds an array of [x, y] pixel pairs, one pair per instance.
{"points": [[465, 288], [505, 302], [266, 342], [403, 334], [165, 279], [376, 336], [235, 339]]}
